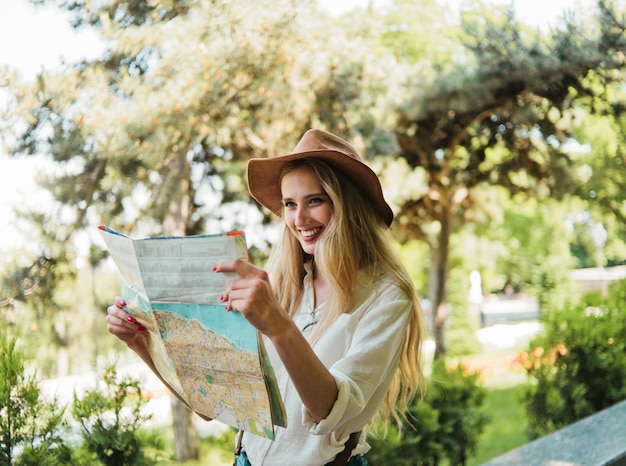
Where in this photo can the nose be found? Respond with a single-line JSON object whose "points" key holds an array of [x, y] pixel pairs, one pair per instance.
{"points": [[301, 215]]}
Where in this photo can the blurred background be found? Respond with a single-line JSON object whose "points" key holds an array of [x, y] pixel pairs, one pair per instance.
{"points": [[497, 129]]}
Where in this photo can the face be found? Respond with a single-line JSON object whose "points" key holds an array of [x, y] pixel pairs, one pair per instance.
{"points": [[307, 208]]}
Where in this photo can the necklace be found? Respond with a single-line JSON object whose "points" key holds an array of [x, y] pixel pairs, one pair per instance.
{"points": [[313, 310], [313, 320]]}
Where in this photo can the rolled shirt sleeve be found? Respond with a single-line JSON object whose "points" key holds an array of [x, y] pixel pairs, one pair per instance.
{"points": [[362, 350]]}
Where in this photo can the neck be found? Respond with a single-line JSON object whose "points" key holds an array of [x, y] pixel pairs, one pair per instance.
{"points": [[309, 267]]}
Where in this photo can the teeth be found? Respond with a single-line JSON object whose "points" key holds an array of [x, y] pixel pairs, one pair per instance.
{"points": [[307, 233]]}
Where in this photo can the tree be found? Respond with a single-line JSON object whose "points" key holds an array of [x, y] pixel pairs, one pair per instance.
{"points": [[501, 118], [37, 279], [602, 185]]}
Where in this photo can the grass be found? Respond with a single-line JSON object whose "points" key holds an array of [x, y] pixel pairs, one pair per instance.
{"points": [[506, 429]]}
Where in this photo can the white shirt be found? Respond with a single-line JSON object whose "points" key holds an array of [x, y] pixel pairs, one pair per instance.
{"points": [[361, 349]]}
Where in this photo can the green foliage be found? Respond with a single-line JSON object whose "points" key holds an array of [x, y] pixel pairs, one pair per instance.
{"points": [[412, 28], [602, 178], [579, 365], [464, 319], [525, 252], [47, 452], [224, 442], [447, 423], [500, 117], [111, 418], [31, 430]]}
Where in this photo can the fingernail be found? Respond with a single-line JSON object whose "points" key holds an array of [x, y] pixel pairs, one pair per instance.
{"points": [[131, 319], [222, 298], [141, 328], [215, 268], [123, 303]]}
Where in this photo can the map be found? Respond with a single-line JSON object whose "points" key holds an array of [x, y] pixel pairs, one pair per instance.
{"points": [[215, 360]]}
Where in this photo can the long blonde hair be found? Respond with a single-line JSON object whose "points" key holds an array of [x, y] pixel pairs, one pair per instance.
{"points": [[356, 239]]}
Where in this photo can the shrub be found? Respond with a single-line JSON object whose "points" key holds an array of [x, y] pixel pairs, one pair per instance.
{"points": [[578, 365], [111, 421], [31, 429], [446, 424]]}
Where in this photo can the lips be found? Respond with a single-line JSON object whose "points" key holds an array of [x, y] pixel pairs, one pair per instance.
{"points": [[307, 234]]}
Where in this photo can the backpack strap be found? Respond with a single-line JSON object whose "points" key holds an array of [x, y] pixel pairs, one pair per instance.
{"points": [[343, 456], [238, 447]]}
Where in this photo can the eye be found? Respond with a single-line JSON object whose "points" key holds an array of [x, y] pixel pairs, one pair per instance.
{"points": [[316, 201], [289, 204]]}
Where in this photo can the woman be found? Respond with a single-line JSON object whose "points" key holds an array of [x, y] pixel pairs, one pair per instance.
{"points": [[340, 314]]}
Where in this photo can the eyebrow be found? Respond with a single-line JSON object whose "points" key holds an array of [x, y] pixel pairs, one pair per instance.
{"points": [[308, 196]]}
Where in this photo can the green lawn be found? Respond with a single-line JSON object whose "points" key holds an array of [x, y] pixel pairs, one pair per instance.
{"points": [[505, 430]]}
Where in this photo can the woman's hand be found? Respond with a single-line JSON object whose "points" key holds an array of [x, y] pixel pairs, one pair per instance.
{"points": [[125, 327], [253, 296]]}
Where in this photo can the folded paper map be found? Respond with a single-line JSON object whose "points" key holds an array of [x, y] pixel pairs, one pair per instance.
{"points": [[215, 360]]}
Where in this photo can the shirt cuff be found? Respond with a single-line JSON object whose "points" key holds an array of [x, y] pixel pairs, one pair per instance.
{"points": [[348, 397]]}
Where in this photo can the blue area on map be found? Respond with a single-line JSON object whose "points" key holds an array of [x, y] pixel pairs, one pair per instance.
{"points": [[231, 325]]}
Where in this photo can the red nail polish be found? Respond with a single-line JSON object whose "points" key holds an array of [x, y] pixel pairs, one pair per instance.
{"points": [[141, 328], [123, 303], [131, 319], [222, 298], [215, 268]]}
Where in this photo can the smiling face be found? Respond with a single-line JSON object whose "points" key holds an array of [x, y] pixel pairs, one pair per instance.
{"points": [[307, 209]]}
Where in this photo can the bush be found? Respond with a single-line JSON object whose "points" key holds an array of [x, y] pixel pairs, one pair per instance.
{"points": [[579, 365], [31, 429], [447, 423], [111, 421]]}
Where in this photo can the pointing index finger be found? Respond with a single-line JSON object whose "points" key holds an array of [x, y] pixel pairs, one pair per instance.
{"points": [[239, 266]]}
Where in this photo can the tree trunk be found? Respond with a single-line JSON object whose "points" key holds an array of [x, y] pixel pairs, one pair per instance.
{"points": [[438, 280], [186, 439]]}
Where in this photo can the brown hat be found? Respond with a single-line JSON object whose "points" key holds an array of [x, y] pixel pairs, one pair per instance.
{"points": [[264, 173]]}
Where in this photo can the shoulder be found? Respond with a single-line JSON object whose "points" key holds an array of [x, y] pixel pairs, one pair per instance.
{"points": [[375, 289], [374, 282]]}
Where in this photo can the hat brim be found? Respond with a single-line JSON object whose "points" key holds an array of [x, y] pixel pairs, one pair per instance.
{"points": [[264, 174]]}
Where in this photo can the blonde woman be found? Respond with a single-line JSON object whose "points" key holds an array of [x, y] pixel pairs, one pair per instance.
{"points": [[337, 308]]}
